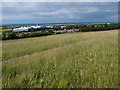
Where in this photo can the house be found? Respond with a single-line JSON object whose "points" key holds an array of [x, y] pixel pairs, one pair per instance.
{"points": [[70, 31]]}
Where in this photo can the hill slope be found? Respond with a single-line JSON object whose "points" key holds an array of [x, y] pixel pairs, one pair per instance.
{"points": [[84, 60]]}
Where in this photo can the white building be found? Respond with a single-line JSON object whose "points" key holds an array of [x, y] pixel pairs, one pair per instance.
{"points": [[35, 27], [49, 26], [41, 27], [21, 29], [63, 26]]}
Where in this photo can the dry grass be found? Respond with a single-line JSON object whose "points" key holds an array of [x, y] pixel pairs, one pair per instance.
{"points": [[85, 60], [6, 30]]}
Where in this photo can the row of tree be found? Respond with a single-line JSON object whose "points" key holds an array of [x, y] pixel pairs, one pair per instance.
{"points": [[109, 27], [16, 35]]}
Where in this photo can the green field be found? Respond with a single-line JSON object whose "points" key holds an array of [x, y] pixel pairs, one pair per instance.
{"points": [[84, 60]]}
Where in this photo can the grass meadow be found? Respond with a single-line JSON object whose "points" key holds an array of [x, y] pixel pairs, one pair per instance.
{"points": [[74, 60], [5, 29]]}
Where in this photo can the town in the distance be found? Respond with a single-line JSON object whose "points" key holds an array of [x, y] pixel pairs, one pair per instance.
{"points": [[36, 30]]}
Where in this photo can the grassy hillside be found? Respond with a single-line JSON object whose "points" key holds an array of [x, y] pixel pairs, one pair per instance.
{"points": [[6, 30], [85, 60]]}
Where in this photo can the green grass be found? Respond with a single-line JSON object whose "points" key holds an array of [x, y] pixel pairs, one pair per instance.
{"points": [[84, 60]]}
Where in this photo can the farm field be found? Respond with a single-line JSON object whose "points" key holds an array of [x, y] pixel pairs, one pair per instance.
{"points": [[81, 60], [6, 30]]}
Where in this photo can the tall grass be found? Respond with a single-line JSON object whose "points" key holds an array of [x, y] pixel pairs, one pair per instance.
{"points": [[84, 60]]}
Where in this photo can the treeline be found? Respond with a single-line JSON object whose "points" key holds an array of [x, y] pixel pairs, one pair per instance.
{"points": [[44, 29], [89, 29], [16, 35], [102, 27], [38, 29]]}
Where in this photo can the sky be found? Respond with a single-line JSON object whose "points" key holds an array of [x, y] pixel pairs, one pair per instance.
{"points": [[58, 12]]}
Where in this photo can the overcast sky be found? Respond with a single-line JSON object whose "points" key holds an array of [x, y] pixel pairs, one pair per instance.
{"points": [[58, 12]]}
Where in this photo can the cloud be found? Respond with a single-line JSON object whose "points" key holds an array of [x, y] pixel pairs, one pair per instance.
{"points": [[60, 1], [57, 12], [114, 16]]}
